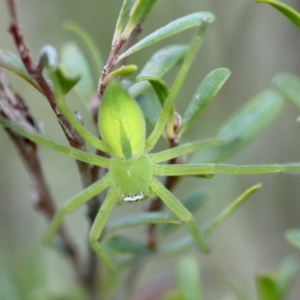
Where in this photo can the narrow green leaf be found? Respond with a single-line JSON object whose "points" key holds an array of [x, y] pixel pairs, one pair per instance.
{"points": [[138, 12], [159, 86], [122, 72], [187, 242], [289, 86], [138, 88], [286, 275], [261, 107], [14, 64], [210, 226], [125, 70], [143, 219], [123, 18], [163, 60], [277, 284], [286, 10], [244, 126], [193, 202], [293, 237], [76, 64], [189, 281], [206, 91], [65, 79], [266, 288], [89, 42], [179, 25], [164, 119], [150, 107], [124, 245], [159, 64], [8, 288]]}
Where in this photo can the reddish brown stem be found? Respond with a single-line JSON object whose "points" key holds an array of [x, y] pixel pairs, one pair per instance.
{"points": [[35, 71], [113, 56], [13, 108]]}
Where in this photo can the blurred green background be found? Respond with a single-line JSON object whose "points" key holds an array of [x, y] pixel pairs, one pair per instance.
{"points": [[255, 42]]}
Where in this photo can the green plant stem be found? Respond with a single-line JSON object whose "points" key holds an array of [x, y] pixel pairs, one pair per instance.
{"points": [[184, 149]]}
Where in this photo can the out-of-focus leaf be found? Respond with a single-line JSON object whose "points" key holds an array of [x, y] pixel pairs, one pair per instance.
{"points": [[14, 64], [138, 88], [159, 64], [286, 10], [123, 17], [206, 91], [258, 111], [160, 87], [65, 79], [187, 242], [49, 57], [286, 275], [163, 60], [138, 12], [189, 281], [179, 25], [89, 42], [76, 64], [293, 237], [238, 286], [266, 288], [150, 106], [277, 285], [243, 126], [289, 86], [121, 244], [29, 275], [8, 289], [50, 295], [193, 202], [143, 219]]}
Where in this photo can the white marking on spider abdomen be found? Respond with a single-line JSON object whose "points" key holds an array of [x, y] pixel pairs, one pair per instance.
{"points": [[133, 198]]}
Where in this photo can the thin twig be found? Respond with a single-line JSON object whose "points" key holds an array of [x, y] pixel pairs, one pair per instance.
{"points": [[35, 71], [13, 108], [113, 56], [131, 41]]}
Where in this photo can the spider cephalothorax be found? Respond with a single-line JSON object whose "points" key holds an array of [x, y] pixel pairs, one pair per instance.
{"points": [[131, 178]]}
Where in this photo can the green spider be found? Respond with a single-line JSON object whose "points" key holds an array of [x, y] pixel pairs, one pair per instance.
{"points": [[132, 170]]}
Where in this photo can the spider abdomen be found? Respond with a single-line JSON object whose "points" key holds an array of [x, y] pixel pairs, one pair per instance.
{"points": [[131, 178], [121, 122]]}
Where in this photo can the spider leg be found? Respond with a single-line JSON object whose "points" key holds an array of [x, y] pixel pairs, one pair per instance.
{"points": [[211, 169], [184, 149], [73, 204], [169, 102], [72, 152], [174, 204], [82, 131], [98, 227]]}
